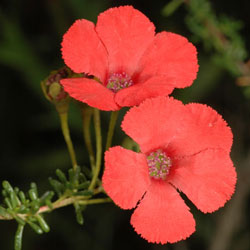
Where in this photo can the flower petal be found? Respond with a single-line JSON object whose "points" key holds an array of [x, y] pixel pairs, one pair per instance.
{"points": [[162, 216], [83, 51], [170, 56], [205, 129], [207, 178], [126, 33], [125, 177], [91, 92], [154, 123], [139, 92]]}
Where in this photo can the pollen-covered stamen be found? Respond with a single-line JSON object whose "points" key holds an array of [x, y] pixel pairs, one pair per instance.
{"points": [[119, 81], [159, 164]]}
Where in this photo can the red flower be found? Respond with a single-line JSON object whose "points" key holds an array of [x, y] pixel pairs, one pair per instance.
{"points": [[129, 60], [184, 147]]}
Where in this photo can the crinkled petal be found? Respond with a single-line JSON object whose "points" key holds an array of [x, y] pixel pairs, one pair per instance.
{"points": [[207, 178], [134, 95], [83, 51], [155, 122], [126, 33], [91, 92], [205, 129], [170, 56], [162, 216], [125, 177]]}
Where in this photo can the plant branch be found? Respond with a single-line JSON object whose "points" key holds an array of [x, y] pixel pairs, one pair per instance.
{"points": [[63, 203]]}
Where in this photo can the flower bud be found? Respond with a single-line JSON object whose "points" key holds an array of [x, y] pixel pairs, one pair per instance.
{"points": [[51, 86]]}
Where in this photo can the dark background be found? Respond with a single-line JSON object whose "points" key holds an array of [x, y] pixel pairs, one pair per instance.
{"points": [[32, 146]]}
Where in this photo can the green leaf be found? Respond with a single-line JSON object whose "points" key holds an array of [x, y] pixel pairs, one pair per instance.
{"points": [[33, 194], [7, 187], [3, 212], [22, 197], [35, 205], [74, 176], [87, 172], [42, 223], [79, 216], [82, 177], [84, 193], [46, 196], [34, 188], [14, 200], [84, 185], [49, 204], [58, 187], [61, 176], [4, 193], [8, 203], [16, 189], [19, 220], [18, 237], [23, 209], [35, 227]]}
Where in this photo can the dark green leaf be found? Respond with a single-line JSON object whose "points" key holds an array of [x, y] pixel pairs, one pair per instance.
{"points": [[42, 223], [84, 193], [35, 227], [61, 176], [3, 212], [78, 211], [57, 186], [22, 197], [7, 186], [18, 237], [84, 185]]}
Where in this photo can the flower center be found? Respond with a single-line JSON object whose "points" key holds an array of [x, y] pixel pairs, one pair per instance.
{"points": [[159, 164], [119, 81]]}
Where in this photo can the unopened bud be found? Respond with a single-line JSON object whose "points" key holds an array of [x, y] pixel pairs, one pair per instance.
{"points": [[51, 86]]}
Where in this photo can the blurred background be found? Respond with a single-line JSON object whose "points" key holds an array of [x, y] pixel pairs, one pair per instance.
{"points": [[32, 145]]}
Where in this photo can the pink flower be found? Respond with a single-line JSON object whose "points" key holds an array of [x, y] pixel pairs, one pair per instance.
{"points": [[130, 61], [183, 147]]}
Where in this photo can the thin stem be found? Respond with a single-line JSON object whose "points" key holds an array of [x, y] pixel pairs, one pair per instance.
{"points": [[86, 119], [63, 203], [66, 134], [112, 122], [97, 169], [71, 200], [94, 201]]}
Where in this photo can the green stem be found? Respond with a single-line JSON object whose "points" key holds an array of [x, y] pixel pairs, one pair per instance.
{"points": [[63, 203], [97, 169], [94, 201], [112, 122], [66, 134], [72, 200], [86, 119]]}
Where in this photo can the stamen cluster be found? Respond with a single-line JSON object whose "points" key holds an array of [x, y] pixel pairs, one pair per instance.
{"points": [[119, 81], [159, 164]]}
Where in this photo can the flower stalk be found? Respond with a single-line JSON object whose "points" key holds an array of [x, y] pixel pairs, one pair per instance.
{"points": [[97, 123], [112, 123], [65, 130], [87, 113]]}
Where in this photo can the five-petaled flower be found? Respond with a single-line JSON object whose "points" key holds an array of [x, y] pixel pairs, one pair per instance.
{"points": [[184, 147], [129, 61]]}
